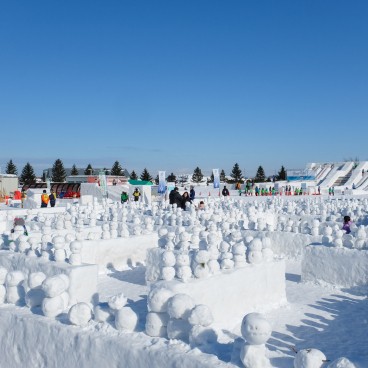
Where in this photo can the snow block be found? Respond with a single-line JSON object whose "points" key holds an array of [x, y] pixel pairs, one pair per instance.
{"points": [[341, 267], [83, 278], [233, 293]]}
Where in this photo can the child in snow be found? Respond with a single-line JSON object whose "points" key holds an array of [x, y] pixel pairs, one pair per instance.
{"points": [[346, 225]]}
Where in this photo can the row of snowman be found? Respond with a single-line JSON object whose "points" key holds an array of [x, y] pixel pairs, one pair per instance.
{"points": [[184, 262]]}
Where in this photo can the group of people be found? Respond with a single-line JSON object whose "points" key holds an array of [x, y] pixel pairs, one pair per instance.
{"points": [[181, 200], [46, 198], [125, 197]]}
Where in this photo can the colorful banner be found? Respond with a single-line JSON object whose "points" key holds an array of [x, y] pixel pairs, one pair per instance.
{"points": [[161, 182], [216, 178], [300, 175]]}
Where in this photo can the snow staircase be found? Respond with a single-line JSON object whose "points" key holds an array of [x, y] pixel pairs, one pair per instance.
{"points": [[343, 179], [357, 176]]}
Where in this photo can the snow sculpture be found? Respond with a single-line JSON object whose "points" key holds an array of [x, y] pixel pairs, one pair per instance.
{"points": [[199, 266], [361, 238], [57, 298], [194, 240], [327, 236], [80, 314], [106, 231], [35, 294], [46, 246], [309, 358], [162, 233], [255, 251], [342, 363], [23, 244], [75, 258], [183, 244], [32, 251], [267, 252], [179, 307], [3, 273], [239, 251], [256, 330], [14, 287], [337, 241], [125, 318], [114, 229], [59, 251], [226, 256], [170, 241], [168, 261], [183, 270]]}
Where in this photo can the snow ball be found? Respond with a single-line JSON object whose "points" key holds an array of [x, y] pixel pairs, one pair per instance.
{"points": [[184, 273], [117, 302], [35, 279], [156, 324], [126, 319], [3, 273], [158, 299], [55, 285], [201, 315], [75, 246], [200, 335], [52, 307], [80, 314], [202, 256], [182, 259], [180, 306], [58, 242], [248, 239], [224, 246], [309, 358], [255, 329], [168, 258], [255, 245], [201, 271], [178, 329], [168, 273], [239, 248], [14, 278]]}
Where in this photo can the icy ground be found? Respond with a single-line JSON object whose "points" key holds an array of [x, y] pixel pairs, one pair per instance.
{"points": [[334, 321]]}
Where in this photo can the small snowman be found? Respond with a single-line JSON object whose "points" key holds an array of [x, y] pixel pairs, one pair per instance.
{"points": [[226, 256], [14, 287], [183, 270], [309, 358], [255, 251], [199, 265], [168, 261], [80, 314], [256, 330], [125, 318], [75, 258], [56, 296], [35, 294], [59, 251]]}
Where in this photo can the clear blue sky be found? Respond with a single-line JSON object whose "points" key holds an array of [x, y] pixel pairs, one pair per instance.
{"points": [[172, 85]]}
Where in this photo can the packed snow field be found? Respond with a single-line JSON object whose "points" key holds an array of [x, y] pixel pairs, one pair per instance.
{"points": [[255, 282]]}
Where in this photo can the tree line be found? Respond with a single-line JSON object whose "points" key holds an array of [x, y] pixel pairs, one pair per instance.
{"points": [[58, 174]]}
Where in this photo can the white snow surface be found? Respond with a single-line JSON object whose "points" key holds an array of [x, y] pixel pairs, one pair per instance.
{"points": [[329, 316]]}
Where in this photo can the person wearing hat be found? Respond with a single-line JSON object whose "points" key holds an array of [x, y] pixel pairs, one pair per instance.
{"points": [[44, 199], [136, 195]]}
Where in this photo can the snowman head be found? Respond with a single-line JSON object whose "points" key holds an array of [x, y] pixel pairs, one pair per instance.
{"points": [[255, 329]]}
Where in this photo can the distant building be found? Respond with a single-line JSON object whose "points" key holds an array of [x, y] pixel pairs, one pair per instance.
{"points": [[47, 173]]}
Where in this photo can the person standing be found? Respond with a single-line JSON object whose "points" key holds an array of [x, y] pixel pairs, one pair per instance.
{"points": [[124, 197], [225, 191], [185, 199], [52, 198], [192, 193], [44, 199], [136, 195], [175, 197]]}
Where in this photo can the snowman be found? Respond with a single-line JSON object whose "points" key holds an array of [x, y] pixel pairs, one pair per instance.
{"points": [[309, 358], [256, 330]]}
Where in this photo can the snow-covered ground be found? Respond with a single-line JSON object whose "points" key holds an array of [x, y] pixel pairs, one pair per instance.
{"points": [[317, 314]]}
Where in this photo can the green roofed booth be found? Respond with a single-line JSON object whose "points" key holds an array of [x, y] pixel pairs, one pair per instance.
{"points": [[144, 187]]}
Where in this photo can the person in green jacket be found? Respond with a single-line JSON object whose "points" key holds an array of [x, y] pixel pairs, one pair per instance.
{"points": [[124, 197]]}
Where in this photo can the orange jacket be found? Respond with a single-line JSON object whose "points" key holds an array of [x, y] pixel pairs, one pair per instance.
{"points": [[45, 198]]}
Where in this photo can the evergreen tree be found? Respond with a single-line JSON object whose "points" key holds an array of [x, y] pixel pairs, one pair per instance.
{"points": [[74, 170], [281, 174], [236, 173], [222, 176], [117, 169], [88, 170], [145, 175], [171, 178], [28, 176], [11, 168], [260, 175], [58, 173], [133, 175], [197, 175]]}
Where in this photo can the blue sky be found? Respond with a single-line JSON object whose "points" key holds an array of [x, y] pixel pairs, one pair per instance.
{"points": [[172, 85]]}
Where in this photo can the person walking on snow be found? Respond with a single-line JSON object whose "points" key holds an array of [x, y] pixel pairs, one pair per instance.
{"points": [[192, 193], [44, 199]]}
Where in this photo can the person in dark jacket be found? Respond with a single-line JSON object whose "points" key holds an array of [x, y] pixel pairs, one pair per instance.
{"points": [[192, 193], [186, 198], [225, 191], [175, 197], [52, 198]]}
